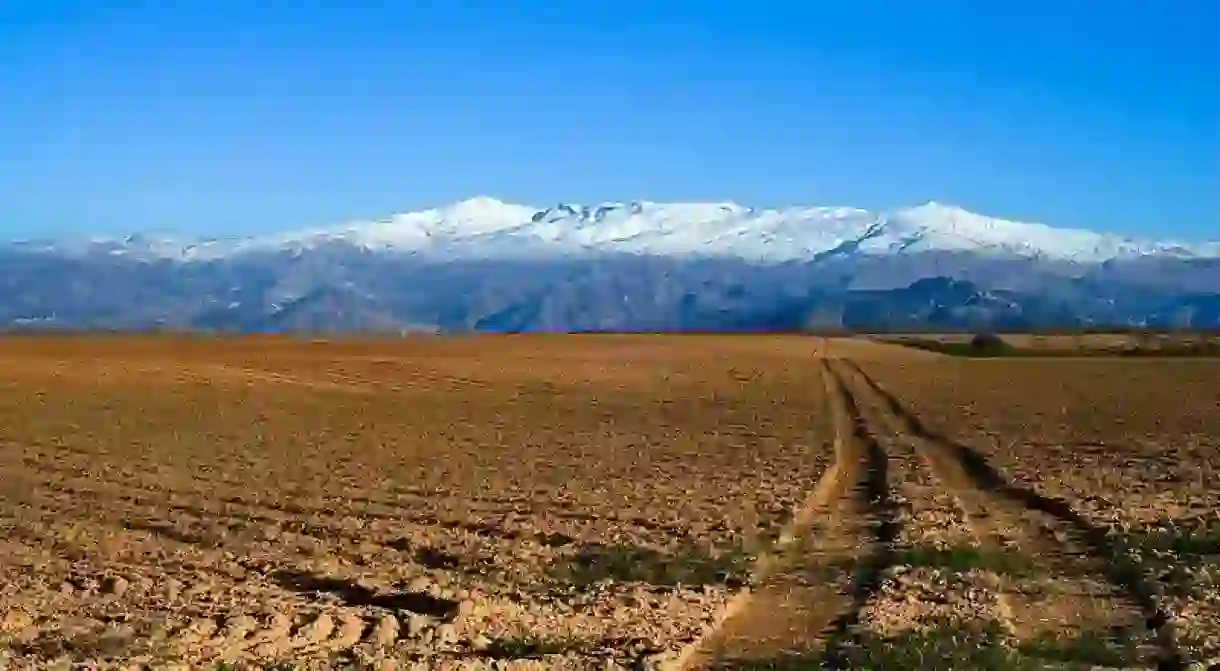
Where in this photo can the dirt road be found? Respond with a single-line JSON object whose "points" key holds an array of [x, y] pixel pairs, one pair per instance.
{"points": [[919, 538]]}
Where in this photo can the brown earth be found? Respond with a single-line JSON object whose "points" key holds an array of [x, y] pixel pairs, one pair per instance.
{"points": [[451, 503], [601, 502], [1124, 452]]}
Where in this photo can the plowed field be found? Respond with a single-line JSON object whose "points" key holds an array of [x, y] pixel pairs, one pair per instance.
{"points": [[601, 502], [577, 502]]}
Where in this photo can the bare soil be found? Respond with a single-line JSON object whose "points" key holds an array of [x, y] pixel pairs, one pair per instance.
{"points": [[451, 503], [601, 502]]}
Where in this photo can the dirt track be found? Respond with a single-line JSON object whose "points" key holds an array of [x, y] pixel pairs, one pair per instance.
{"points": [[558, 503], [803, 593], [924, 533]]}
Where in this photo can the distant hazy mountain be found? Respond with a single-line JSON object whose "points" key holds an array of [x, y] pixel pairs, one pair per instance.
{"points": [[488, 265]]}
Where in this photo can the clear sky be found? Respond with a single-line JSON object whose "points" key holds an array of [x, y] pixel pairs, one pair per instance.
{"points": [[236, 116]]}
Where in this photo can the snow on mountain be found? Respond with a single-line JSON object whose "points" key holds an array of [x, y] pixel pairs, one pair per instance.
{"points": [[934, 226], [420, 230], [484, 227]]}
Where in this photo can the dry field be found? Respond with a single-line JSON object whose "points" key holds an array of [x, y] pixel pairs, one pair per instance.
{"points": [[1121, 459], [601, 502], [448, 503], [1082, 343]]}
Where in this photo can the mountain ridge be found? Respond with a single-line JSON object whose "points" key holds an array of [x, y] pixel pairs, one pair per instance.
{"points": [[485, 265], [486, 227]]}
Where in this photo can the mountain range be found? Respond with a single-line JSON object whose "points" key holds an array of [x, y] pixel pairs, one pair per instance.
{"points": [[482, 264]]}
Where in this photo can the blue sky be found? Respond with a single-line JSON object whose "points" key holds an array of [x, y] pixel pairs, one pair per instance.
{"points": [[230, 117]]}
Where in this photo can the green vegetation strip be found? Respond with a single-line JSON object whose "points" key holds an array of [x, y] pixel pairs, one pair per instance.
{"points": [[688, 567], [962, 646], [986, 346], [965, 559]]}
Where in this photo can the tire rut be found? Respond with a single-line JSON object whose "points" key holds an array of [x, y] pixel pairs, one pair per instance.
{"points": [[829, 564], [876, 495], [1007, 517]]}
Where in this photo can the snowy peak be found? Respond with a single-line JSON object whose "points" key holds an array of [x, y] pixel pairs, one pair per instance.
{"points": [[485, 227], [481, 210], [950, 228], [618, 211]]}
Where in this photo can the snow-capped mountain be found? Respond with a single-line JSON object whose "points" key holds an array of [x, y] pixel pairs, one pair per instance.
{"points": [[483, 264], [486, 228]]}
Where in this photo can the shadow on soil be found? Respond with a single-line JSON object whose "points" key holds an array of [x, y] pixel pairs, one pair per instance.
{"points": [[353, 594], [1110, 549], [874, 493]]}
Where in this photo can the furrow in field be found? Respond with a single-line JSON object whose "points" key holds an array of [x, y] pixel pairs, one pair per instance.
{"points": [[920, 591], [824, 568], [1069, 589]]}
